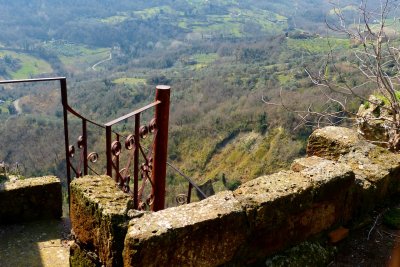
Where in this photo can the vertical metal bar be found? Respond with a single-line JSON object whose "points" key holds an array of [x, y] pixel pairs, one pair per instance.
{"points": [[136, 163], [117, 165], [64, 102], [108, 151], [85, 148], [189, 195], [160, 147]]}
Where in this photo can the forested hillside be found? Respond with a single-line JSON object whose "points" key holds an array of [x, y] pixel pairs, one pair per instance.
{"points": [[220, 57]]}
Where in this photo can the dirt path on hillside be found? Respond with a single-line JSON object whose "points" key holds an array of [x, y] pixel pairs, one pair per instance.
{"points": [[102, 61]]}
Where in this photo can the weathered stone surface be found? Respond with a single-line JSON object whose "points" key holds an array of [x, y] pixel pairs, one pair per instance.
{"points": [[288, 207], [99, 216], [330, 180], [205, 233], [30, 199], [268, 198], [331, 142], [377, 175], [304, 163], [377, 170], [372, 163]]}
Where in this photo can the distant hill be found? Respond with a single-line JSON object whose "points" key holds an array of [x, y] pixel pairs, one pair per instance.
{"points": [[220, 57], [104, 23]]}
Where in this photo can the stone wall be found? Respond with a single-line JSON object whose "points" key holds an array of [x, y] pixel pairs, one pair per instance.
{"points": [[99, 218], [342, 178], [30, 199]]}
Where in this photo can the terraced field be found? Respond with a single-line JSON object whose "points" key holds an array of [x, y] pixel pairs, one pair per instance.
{"points": [[130, 81]]}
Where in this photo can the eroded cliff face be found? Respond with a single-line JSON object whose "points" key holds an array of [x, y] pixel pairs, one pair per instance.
{"points": [[342, 178]]}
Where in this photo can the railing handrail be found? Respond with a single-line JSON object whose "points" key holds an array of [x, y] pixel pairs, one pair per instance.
{"points": [[127, 116], [32, 80], [188, 179]]}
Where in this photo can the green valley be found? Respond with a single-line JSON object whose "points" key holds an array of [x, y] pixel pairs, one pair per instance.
{"points": [[221, 58]]}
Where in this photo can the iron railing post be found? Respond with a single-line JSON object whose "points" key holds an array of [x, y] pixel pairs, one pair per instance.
{"points": [[160, 147], [189, 195], [116, 178], [85, 148], [136, 163], [108, 151], [64, 101]]}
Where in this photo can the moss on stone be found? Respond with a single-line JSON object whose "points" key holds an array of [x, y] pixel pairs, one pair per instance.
{"points": [[99, 216], [81, 258]]}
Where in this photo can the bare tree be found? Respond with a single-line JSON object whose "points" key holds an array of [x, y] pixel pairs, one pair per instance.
{"points": [[373, 34]]}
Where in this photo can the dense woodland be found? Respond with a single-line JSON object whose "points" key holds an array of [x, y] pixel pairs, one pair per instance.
{"points": [[221, 59]]}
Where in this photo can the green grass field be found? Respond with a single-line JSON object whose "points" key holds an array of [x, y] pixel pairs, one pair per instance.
{"points": [[130, 81], [203, 60], [77, 57], [31, 66], [318, 45]]}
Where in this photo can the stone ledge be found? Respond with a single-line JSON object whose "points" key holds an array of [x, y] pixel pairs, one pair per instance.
{"points": [[30, 199], [288, 207], [99, 217], [205, 233], [377, 171]]}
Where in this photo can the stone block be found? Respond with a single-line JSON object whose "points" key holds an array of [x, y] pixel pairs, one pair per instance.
{"points": [[377, 170], [30, 199], [288, 207], [377, 173], [331, 142], [99, 217], [268, 199], [205, 233]]}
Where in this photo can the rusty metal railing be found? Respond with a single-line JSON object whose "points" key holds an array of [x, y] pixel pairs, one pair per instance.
{"points": [[186, 198], [153, 161], [153, 169]]}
